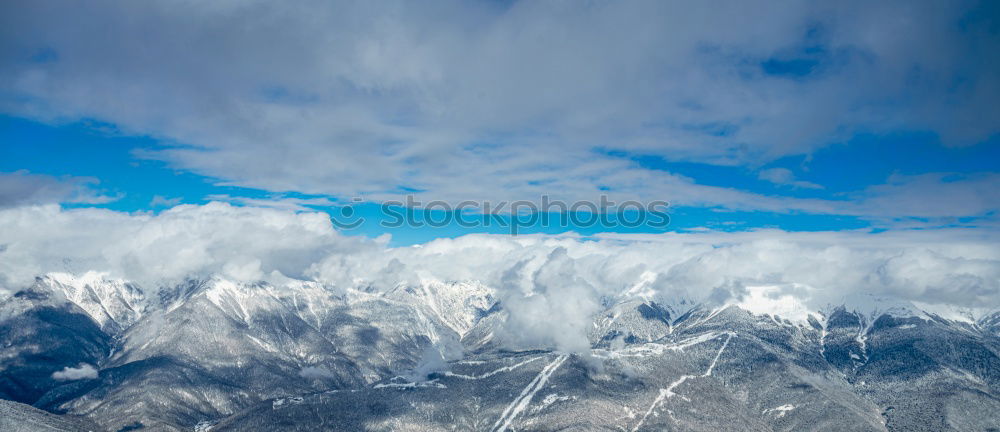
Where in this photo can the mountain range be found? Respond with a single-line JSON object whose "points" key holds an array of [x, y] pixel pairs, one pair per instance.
{"points": [[86, 352]]}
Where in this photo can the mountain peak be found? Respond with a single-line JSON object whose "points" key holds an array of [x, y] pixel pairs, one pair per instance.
{"points": [[112, 303]]}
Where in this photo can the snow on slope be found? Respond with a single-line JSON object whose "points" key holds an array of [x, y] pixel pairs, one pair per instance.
{"points": [[776, 300], [114, 304], [117, 304], [458, 305], [787, 301]]}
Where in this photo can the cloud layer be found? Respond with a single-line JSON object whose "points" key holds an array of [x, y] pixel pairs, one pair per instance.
{"points": [[550, 285], [239, 242], [503, 100]]}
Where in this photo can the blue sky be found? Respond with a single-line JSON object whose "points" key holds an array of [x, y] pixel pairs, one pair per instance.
{"points": [[136, 184], [805, 118]]}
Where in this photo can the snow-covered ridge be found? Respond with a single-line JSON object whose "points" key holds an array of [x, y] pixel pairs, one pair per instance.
{"points": [[790, 302], [114, 304], [776, 300], [458, 306]]}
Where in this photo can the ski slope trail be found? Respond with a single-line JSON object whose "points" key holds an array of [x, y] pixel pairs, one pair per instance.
{"points": [[667, 393], [521, 402]]}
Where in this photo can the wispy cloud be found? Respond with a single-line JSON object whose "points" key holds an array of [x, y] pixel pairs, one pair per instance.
{"points": [[785, 177], [24, 188], [278, 202], [162, 201]]}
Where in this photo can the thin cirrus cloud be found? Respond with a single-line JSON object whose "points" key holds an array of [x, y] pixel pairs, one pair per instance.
{"points": [[504, 101], [20, 188], [785, 176]]}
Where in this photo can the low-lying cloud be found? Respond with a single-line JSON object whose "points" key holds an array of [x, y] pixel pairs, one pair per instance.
{"points": [[239, 242], [83, 371], [549, 286]]}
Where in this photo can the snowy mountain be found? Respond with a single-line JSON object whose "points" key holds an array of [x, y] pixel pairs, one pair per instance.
{"points": [[215, 354]]}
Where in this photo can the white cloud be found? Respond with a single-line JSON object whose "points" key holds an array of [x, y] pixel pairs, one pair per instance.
{"points": [[187, 240], [83, 371], [550, 286], [485, 100], [775, 300]]}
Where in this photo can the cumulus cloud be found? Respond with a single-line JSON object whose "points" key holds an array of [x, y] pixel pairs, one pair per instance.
{"points": [[83, 371], [549, 286], [500, 100], [555, 306], [217, 238]]}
